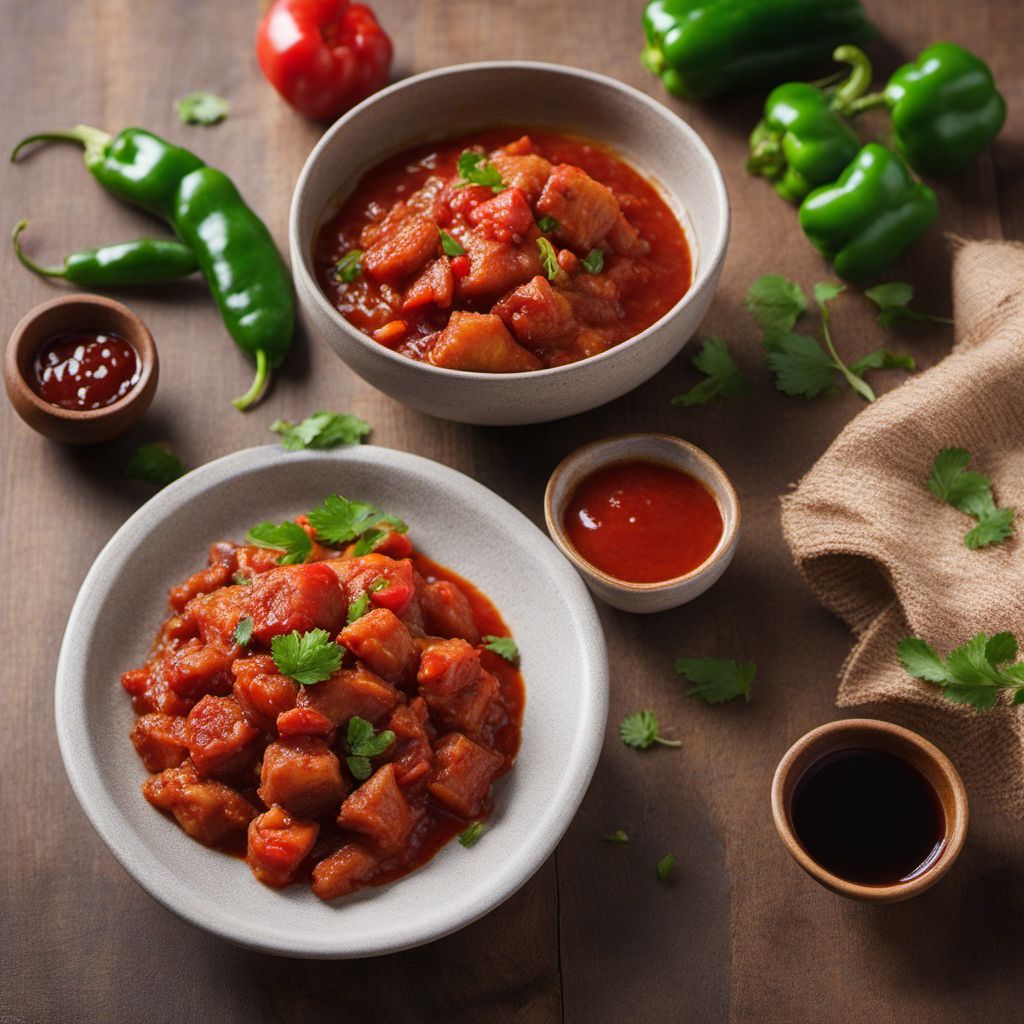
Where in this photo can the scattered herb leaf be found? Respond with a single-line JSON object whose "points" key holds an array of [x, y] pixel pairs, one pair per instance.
{"points": [[381, 583], [823, 294], [617, 838], [666, 866], [155, 464], [883, 359], [718, 679], [593, 262], [971, 493], [893, 301], [337, 521], [800, 365], [202, 108], [640, 729], [547, 224], [308, 658], [243, 632], [321, 430], [241, 579], [993, 528], [776, 303], [548, 258], [475, 169], [349, 267], [504, 646], [449, 246], [472, 834], [724, 378], [358, 608], [288, 538], [363, 744]]}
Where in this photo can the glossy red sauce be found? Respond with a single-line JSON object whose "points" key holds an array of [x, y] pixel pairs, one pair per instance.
{"points": [[643, 522], [85, 370]]}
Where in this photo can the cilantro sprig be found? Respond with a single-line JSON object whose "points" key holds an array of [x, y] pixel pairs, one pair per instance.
{"points": [[722, 375], [504, 646], [349, 267], [337, 520], [289, 538], [472, 834], [548, 258], [617, 838], [321, 430], [308, 658], [717, 680], [665, 868], [155, 464], [363, 744], [971, 493], [893, 302], [243, 632], [475, 169], [640, 731], [205, 108], [449, 245], [593, 262], [973, 674], [547, 224]]}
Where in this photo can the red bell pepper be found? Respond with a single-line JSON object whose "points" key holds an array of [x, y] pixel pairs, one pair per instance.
{"points": [[323, 56]]}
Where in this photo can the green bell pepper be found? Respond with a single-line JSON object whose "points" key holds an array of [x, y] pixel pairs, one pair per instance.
{"points": [[705, 48], [864, 221]]}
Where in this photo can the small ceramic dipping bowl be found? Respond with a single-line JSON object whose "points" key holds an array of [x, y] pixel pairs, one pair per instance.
{"points": [[658, 448], [78, 313], [868, 734]]}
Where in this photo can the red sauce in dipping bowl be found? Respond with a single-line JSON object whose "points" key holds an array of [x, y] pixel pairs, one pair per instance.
{"points": [[649, 520]]}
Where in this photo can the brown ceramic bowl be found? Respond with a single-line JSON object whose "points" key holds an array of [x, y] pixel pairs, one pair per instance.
{"points": [[868, 734], [78, 313]]}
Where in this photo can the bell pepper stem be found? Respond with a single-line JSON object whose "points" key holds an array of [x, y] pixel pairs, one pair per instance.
{"points": [[31, 264], [766, 157], [92, 139], [259, 383], [849, 97]]}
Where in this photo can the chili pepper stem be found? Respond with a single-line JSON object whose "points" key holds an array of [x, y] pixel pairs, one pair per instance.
{"points": [[850, 94], [31, 264], [259, 383], [93, 140]]}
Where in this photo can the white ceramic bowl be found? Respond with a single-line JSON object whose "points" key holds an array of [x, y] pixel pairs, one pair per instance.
{"points": [[457, 100], [670, 451], [452, 519]]}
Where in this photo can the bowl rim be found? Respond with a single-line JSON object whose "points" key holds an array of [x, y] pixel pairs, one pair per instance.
{"points": [[93, 792], [139, 337], [730, 532], [705, 267]]}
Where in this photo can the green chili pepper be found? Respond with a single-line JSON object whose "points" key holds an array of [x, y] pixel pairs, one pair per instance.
{"points": [[236, 253], [864, 221], [145, 261], [705, 48]]}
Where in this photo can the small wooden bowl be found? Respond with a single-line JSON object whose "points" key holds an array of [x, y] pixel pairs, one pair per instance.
{"points": [[78, 313], [869, 734], [669, 451]]}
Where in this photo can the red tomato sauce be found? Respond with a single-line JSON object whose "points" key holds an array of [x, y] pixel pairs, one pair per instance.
{"points": [[85, 370], [646, 264], [643, 522]]}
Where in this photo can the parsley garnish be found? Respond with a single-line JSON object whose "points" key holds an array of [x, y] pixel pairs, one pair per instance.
{"points": [[593, 261], [475, 169], [243, 632], [973, 673], [450, 246], [155, 464], [349, 267], [548, 258], [504, 646], [717, 679], [547, 224], [640, 730], [288, 538], [723, 375], [970, 493], [321, 430], [893, 301], [665, 867], [307, 658], [617, 838], [338, 521], [202, 108], [358, 608], [473, 833], [776, 303], [363, 744]]}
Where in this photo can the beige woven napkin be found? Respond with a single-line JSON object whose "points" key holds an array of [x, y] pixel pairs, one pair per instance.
{"points": [[889, 559]]}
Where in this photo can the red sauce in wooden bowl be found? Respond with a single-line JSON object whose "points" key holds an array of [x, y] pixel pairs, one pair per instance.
{"points": [[84, 370], [643, 522]]}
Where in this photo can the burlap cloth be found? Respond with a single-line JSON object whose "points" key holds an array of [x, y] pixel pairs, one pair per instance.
{"points": [[889, 559]]}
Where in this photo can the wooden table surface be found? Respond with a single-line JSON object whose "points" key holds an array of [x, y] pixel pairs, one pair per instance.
{"points": [[741, 934]]}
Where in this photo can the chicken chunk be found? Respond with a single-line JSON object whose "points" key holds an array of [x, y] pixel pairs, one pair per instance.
{"points": [[528, 172], [463, 774], [261, 690], [458, 691], [344, 871], [381, 640], [350, 692], [278, 844], [496, 266], [221, 742], [436, 284], [535, 312], [401, 250], [585, 209], [480, 342], [160, 741], [295, 597], [378, 809], [303, 776], [447, 612]]}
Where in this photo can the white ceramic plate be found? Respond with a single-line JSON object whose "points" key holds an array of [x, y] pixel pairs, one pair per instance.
{"points": [[452, 519]]}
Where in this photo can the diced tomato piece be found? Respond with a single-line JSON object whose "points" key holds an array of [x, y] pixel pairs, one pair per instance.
{"points": [[378, 809], [528, 172], [413, 757], [395, 545], [343, 871], [509, 208], [203, 582], [447, 612], [435, 285], [585, 209], [262, 691], [278, 844], [303, 776], [196, 669], [465, 200], [350, 692], [568, 261], [380, 639], [358, 575], [160, 741], [220, 739], [296, 597], [401, 250], [207, 810], [304, 722], [480, 341], [391, 333], [461, 265], [535, 312], [463, 774], [458, 691]]}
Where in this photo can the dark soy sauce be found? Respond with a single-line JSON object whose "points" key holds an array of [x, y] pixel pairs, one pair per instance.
{"points": [[868, 817]]}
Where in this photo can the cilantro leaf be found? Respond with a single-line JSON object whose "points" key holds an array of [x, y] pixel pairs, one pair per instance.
{"points": [[920, 659], [360, 767], [882, 359], [717, 679], [826, 291], [504, 646], [449, 246], [823, 294], [321, 430], [617, 838], [358, 608], [472, 834], [547, 224], [308, 658], [971, 493], [243, 632], [361, 739], [776, 303], [337, 521], [349, 267], [475, 169], [289, 538], [548, 258], [723, 375], [155, 464], [640, 729], [800, 365], [993, 528], [893, 301], [202, 108], [593, 262], [666, 866]]}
